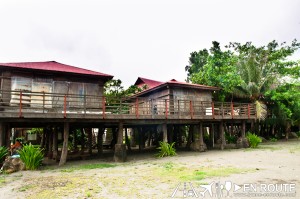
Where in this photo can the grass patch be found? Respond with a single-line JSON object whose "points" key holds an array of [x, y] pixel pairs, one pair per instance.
{"points": [[208, 172], [171, 171], [264, 147], [26, 187], [88, 167], [2, 180]]}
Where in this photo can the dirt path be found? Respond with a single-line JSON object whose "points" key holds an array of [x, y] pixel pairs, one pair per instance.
{"points": [[144, 176]]}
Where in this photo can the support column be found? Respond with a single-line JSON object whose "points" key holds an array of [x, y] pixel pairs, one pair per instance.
{"points": [[212, 135], [64, 151], [127, 140], [82, 142], [8, 134], [2, 137], [243, 129], [55, 145], [50, 151], [222, 135], [165, 133], [120, 148], [90, 140], [101, 130], [190, 137], [202, 145]]}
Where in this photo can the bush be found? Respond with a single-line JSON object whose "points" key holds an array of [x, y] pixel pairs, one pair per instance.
{"points": [[253, 139], [3, 152], [231, 139], [273, 140], [166, 149], [31, 156]]}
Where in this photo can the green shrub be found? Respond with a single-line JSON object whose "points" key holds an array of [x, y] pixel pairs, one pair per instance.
{"points": [[273, 140], [253, 139], [166, 149], [31, 156], [231, 139], [3, 152]]}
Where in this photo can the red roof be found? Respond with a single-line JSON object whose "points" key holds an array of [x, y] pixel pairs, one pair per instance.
{"points": [[172, 82], [56, 67], [149, 82], [200, 86]]}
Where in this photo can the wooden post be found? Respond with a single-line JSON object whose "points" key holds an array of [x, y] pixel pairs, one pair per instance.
{"points": [[170, 129], [120, 149], [90, 140], [120, 133], [202, 147], [8, 134], [127, 140], [243, 129], [101, 130], [190, 137], [165, 133], [50, 143], [82, 141], [222, 135], [2, 137], [212, 135], [55, 143], [64, 151]]}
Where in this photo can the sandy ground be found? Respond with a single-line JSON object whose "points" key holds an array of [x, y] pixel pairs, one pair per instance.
{"points": [[144, 176]]}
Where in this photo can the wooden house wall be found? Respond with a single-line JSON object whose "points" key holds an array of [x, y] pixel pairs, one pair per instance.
{"points": [[51, 83]]}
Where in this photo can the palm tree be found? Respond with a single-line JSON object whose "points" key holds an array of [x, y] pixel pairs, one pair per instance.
{"points": [[258, 76]]}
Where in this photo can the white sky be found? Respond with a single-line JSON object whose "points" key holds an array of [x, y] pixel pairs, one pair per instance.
{"points": [[128, 39]]}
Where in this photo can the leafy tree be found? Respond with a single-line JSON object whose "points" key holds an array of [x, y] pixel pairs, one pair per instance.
{"points": [[214, 68], [286, 108]]}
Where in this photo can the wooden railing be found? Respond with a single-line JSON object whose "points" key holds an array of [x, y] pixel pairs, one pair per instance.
{"points": [[54, 105]]}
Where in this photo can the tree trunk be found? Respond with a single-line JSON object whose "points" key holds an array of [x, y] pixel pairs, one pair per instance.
{"points": [[64, 151]]}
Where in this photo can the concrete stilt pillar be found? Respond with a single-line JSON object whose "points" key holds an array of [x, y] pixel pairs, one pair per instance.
{"points": [[64, 151], [120, 148]]}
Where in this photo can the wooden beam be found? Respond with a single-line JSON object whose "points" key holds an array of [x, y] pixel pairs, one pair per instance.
{"points": [[64, 151]]}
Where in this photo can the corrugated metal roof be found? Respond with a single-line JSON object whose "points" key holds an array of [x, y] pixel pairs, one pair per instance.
{"points": [[54, 66], [149, 82], [173, 82]]}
